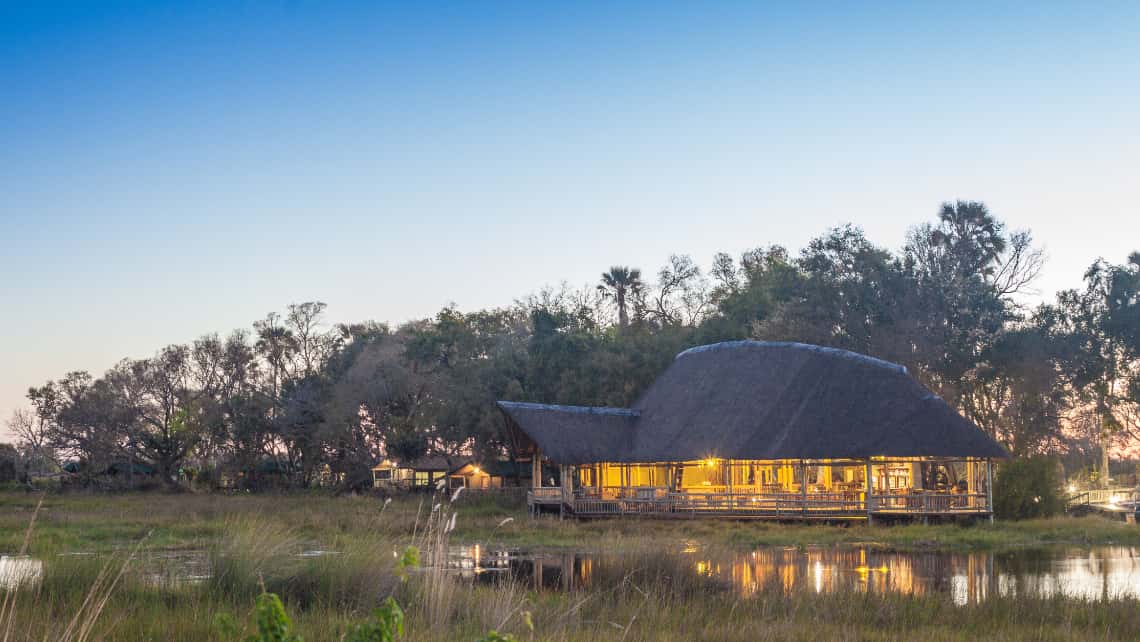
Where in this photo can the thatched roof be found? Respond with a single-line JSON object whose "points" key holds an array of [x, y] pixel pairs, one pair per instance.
{"points": [[437, 463], [761, 400]]}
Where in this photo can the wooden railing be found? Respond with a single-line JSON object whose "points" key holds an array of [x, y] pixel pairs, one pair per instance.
{"points": [[778, 503], [1102, 496], [783, 504], [928, 503], [547, 495]]}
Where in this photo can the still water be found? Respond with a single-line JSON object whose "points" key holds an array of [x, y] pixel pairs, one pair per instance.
{"points": [[1093, 573]]}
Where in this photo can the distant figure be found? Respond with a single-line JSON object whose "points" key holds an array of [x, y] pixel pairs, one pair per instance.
{"points": [[941, 481]]}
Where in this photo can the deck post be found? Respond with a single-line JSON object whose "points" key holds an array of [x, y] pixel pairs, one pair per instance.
{"points": [[566, 477], [536, 468], [990, 488], [535, 479], [803, 488], [867, 493]]}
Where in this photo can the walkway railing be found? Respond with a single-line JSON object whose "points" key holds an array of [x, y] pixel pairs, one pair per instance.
{"points": [[839, 504], [548, 495], [928, 503], [1102, 497]]}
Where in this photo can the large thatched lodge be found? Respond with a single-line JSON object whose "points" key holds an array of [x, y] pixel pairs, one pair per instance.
{"points": [[759, 429]]}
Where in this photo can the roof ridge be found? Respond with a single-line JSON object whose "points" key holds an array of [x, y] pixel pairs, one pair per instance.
{"points": [[594, 410], [836, 352]]}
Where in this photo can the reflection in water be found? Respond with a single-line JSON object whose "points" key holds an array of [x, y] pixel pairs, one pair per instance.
{"points": [[15, 571], [172, 568], [965, 578], [160, 568]]}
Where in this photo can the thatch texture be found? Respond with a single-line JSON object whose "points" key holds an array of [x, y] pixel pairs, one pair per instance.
{"points": [[761, 400], [574, 434]]}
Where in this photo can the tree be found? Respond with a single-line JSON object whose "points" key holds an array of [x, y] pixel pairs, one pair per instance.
{"points": [[623, 285], [965, 269], [748, 293], [1103, 369], [313, 347], [84, 419], [847, 294], [276, 345], [159, 414], [33, 432], [1017, 391], [233, 411], [682, 294]]}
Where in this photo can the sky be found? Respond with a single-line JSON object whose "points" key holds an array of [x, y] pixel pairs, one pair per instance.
{"points": [[172, 170]]}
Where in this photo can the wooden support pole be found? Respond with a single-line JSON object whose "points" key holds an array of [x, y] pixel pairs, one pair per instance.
{"points": [[867, 502], [990, 488], [536, 468], [803, 487], [562, 472]]}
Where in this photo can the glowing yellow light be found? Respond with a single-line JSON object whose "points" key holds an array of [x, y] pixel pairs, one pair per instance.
{"points": [[477, 470], [710, 462], [1072, 488], [883, 568]]}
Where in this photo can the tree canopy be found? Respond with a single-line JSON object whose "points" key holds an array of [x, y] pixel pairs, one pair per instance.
{"points": [[307, 399]]}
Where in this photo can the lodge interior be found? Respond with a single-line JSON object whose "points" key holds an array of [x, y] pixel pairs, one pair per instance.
{"points": [[888, 477]]}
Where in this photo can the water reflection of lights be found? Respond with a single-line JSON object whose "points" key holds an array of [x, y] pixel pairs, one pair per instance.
{"points": [[964, 578]]}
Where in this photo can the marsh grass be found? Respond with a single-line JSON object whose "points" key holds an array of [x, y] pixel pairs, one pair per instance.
{"points": [[652, 593], [102, 523]]}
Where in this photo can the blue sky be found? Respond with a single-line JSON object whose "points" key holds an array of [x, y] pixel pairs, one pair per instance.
{"points": [[170, 170]]}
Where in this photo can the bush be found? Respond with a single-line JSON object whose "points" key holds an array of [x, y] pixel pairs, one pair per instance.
{"points": [[8, 460], [1027, 488]]}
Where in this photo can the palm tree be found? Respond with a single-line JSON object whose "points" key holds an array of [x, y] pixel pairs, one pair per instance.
{"points": [[971, 235], [621, 282]]}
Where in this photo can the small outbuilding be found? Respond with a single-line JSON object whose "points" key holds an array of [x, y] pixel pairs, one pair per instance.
{"points": [[419, 474]]}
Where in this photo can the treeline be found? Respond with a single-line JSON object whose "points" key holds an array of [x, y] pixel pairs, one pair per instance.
{"points": [[293, 396]]}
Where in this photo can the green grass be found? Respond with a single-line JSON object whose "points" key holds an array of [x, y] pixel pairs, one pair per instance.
{"points": [[251, 542], [655, 601], [97, 523]]}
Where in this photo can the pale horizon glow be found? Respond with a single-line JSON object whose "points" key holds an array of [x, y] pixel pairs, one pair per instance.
{"points": [[173, 172]]}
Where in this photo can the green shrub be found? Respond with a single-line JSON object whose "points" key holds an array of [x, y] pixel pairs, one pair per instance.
{"points": [[8, 463], [386, 626], [1028, 488]]}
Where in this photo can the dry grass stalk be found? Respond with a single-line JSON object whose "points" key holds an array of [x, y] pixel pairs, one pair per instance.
{"points": [[8, 607]]}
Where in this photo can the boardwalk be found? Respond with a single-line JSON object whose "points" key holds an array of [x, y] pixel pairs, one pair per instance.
{"points": [[1118, 503]]}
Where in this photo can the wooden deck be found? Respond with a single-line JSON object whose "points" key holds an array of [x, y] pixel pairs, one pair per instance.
{"points": [[1115, 503], [784, 505]]}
